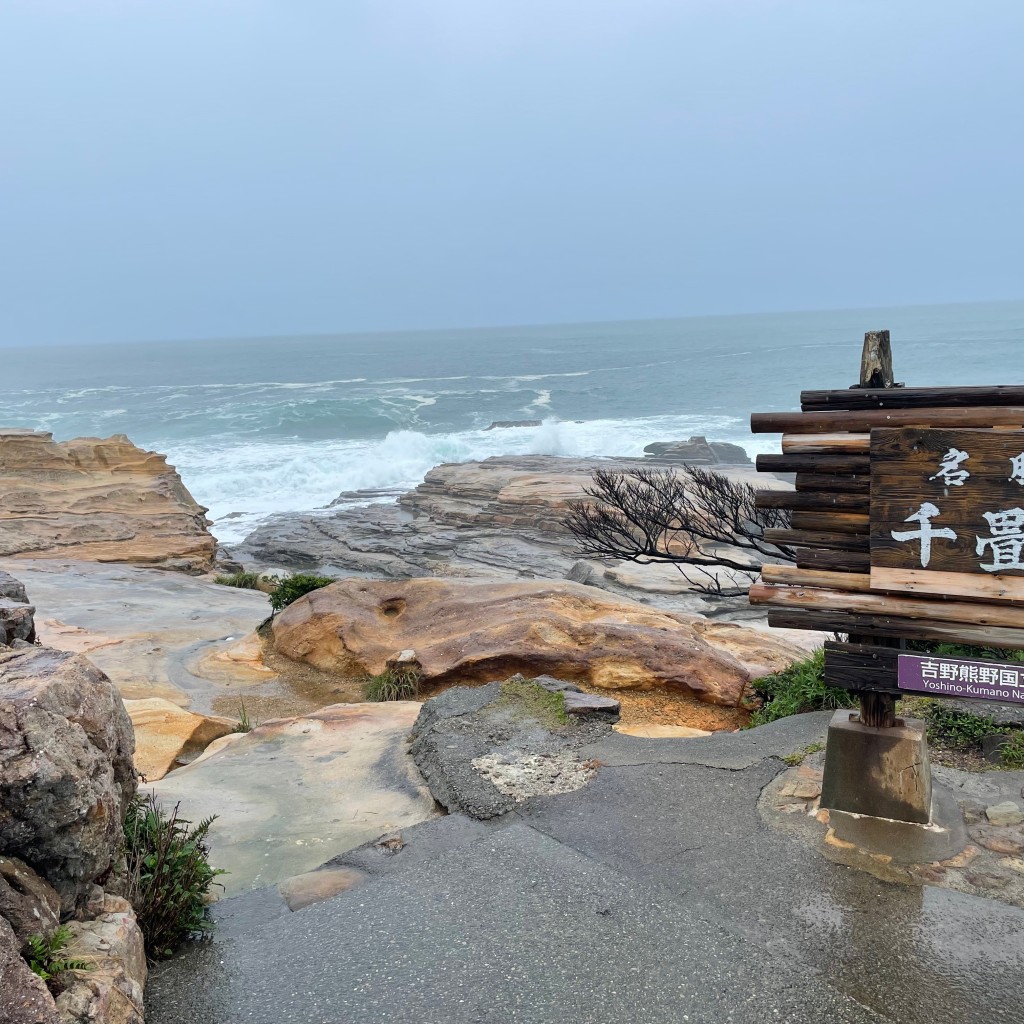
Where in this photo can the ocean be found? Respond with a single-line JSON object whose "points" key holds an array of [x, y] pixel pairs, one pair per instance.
{"points": [[263, 425]]}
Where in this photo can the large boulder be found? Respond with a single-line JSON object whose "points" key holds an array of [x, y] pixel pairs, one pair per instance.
{"points": [[101, 500], [294, 792], [66, 773], [477, 632]]}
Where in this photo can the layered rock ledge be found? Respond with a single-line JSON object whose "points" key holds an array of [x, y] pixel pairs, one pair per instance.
{"points": [[501, 518], [102, 500], [463, 631]]}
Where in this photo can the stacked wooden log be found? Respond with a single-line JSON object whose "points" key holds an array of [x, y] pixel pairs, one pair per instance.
{"points": [[827, 445]]}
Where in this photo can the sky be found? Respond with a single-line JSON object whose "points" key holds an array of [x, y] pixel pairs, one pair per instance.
{"points": [[215, 168]]}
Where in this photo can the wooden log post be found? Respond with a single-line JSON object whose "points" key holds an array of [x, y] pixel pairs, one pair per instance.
{"points": [[876, 709]]}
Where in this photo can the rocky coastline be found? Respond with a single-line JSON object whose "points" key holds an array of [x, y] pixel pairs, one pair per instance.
{"points": [[117, 675]]}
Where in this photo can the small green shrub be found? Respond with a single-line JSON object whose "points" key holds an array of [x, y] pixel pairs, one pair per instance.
{"points": [[393, 684], [169, 874], [797, 689], [46, 956], [291, 588], [242, 580], [1011, 753], [950, 727]]}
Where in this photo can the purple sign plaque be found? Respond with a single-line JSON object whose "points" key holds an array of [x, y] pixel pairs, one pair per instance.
{"points": [[955, 677]]}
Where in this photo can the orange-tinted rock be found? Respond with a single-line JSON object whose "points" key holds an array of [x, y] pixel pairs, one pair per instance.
{"points": [[98, 500], [164, 732], [476, 632]]}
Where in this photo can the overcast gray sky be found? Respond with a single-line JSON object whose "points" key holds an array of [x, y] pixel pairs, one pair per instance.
{"points": [[207, 168]]}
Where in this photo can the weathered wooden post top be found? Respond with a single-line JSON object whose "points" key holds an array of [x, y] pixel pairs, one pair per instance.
{"points": [[906, 532]]}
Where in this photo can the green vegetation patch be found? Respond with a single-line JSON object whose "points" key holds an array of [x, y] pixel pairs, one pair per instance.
{"points": [[242, 580], [392, 684], [47, 957], [528, 698], [799, 756], [797, 689], [291, 588], [169, 874]]}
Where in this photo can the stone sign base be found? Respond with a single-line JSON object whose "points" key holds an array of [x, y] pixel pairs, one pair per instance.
{"points": [[884, 773]]}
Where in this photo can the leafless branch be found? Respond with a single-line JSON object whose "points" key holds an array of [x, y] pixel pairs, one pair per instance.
{"points": [[700, 521]]}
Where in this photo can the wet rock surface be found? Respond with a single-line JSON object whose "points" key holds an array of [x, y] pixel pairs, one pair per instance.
{"points": [[293, 792]]}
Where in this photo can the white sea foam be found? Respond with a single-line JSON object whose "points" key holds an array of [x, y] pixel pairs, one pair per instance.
{"points": [[252, 481]]}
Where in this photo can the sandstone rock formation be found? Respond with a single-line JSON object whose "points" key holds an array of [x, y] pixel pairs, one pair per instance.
{"points": [[101, 500], [66, 772], [499, 518], [165, 732], [294, 792], [477, 632]]}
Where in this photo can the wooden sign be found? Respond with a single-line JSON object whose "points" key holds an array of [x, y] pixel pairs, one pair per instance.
{"points": [[946, 512], [906, 524]]}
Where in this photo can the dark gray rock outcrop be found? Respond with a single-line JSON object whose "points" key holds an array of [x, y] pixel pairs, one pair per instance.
{"points": [[483, 750], [699, 451], [16, 614]]}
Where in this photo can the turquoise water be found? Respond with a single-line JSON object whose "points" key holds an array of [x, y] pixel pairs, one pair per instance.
{"points": [[263, 425]]}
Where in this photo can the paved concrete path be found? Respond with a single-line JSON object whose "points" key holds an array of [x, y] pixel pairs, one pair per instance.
{"points": [[655, 895]]}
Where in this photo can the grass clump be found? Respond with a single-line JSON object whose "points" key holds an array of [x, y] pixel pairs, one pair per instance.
{"points": [[952, 728], [393, 684], [1011, 753], [796, 689], [46, 957], [169, 874], [242, 580], [291, 588], [530, 698], [799, 756], [245, 723]]}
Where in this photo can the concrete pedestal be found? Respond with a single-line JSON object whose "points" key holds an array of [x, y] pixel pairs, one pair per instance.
{"points": [[884, 773]]}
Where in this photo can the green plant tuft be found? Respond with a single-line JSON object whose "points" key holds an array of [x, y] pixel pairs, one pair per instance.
{"points": [[1011, 753], [46, 956], [245, 723], [950, 727], [796, 689], [242, 580], [169, 874], [530, 698], [799, 756], [392, 684], [291, 588]]}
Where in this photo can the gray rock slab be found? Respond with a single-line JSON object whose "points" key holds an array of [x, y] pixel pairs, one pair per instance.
{"points": [[513, 928]]}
